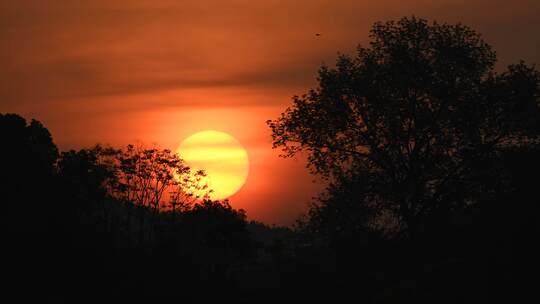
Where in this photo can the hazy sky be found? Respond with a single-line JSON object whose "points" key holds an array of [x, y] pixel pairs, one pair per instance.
{"points": [[156, 71]]}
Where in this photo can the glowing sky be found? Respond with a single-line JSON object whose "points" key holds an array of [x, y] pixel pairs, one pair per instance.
{"points": [[156, 71]]}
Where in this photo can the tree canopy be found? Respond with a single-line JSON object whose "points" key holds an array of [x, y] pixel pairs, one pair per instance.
{"points": [[410, 114]]}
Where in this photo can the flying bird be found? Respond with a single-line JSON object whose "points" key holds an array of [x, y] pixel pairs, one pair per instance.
{"points": [[317, 34]]}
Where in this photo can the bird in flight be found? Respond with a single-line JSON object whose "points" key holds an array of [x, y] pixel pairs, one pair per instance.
{"points": [[318, 35]]}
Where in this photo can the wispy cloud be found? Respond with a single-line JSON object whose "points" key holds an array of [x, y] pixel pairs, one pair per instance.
{"points": [[72, 50]]}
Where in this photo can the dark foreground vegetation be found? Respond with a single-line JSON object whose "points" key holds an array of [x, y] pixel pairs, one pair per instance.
{"points": [[432, 161]]}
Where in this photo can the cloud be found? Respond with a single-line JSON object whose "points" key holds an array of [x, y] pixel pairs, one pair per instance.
{"points": [[53, 51], [60, 50]]}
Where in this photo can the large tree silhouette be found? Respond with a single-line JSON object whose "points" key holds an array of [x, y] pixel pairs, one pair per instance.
{"points": [[406, 120], [27, 161]]}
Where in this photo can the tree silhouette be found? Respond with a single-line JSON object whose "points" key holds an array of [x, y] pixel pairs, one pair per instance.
{"points": [[27, 160], [409, 116], [145, 176], [148, 181], [83, 173]]}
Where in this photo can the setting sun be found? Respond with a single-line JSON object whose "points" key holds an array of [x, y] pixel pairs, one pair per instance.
{"points": [[223, 158]]}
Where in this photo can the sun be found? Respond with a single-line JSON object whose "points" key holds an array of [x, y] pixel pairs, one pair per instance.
{"points": [[223, 158]]}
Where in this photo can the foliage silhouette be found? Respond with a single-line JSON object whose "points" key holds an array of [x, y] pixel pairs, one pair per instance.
{"points": [[116, 215], [407, 120], [431, 157], [27, 161], [28, 153]]}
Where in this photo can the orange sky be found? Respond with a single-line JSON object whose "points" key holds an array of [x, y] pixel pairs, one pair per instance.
{"points": [[156, 71]]}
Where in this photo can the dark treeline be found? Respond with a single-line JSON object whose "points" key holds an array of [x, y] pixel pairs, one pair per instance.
{"points": [[106, 224], [84, 225], [431, 158]]}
